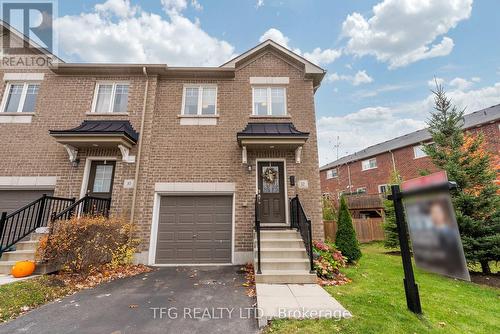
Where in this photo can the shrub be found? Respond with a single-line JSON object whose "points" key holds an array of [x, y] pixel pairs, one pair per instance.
{"points": [[328, 209], [327, 260], [81, 244], [346, 235]]}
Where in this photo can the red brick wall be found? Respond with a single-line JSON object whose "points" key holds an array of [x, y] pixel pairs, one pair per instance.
{"points": [[405, 162]]}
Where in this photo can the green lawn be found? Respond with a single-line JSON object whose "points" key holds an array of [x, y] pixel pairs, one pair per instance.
{"points": [[377, 300], [19, 297]]}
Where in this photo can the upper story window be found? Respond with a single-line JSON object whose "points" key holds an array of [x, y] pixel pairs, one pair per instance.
{"points": [[111, 97], [199, 100], [369, 164], [361, 190], [331, 173], [269, 101], [418, 151], [20, 97], [383, 188]]}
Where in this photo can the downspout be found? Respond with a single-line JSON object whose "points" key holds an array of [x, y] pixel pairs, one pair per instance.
{"points": [[139, 150], [393, 161], [349, 175]]}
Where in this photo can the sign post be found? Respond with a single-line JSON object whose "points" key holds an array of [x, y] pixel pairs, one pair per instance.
{"points": [[411, 288]]}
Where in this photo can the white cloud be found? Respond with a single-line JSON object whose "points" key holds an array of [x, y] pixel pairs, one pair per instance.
{"points": [[196, 5], [361, 77], [117, 32], [457, 83], [401, 32], [432, 83], [461, 83], [259, 3], [373, 125], [317, 56]]}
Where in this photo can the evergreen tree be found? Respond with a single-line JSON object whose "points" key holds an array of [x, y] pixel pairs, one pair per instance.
{"points": [[345, 239], [391, 239], [468, 163]]}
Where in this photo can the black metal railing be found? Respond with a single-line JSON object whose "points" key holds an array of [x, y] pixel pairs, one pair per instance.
{"points": [[17, 225], [300, 221], [87, 205], [257, 231]]}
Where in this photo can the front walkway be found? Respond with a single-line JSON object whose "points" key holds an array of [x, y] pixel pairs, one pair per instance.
{"points": [[297, 301], [169, 300]]}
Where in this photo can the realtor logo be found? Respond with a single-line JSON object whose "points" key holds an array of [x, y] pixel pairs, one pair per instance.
{"points": [[33, 19]]}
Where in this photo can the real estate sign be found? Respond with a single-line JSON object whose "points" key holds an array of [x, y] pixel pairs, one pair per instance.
{"points": [[433, 227]]}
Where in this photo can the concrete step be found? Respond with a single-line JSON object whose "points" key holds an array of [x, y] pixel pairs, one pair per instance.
{"points": [[27, 245], [18, 255], [284, 253], [285, 277], [281, 234], [36, 236], [283, 264], [280, 243], [40, 269]]}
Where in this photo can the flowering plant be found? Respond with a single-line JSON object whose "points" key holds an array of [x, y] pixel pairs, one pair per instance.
{"points": [[327, 262]]}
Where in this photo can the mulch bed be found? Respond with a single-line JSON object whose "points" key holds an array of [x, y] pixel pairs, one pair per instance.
{"points": [[492, 280], [100, 275]]}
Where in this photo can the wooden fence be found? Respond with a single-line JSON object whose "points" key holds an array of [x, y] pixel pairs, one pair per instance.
{"points": [[367, 229]]}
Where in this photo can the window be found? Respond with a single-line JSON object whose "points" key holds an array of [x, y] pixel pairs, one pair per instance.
{"points": [[369, 164], [20, 97], [111, 97], [269, 101], [383, 188], [361, 190], [200, 100], [103, 177], [331, 173], [418, 151]]}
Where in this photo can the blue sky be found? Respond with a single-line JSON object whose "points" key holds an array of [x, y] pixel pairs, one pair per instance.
{"points": [[380, 55]]}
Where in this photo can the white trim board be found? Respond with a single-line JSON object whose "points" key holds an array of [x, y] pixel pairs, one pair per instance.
{"points": [[188, 189], [23, 76], [28, 182]]}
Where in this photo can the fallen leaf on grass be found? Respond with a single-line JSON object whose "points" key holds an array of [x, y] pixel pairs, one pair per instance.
{"points": [[133, 306]]}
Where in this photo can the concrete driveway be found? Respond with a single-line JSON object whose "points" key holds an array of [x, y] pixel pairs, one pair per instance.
{"points": [[169, 300]]}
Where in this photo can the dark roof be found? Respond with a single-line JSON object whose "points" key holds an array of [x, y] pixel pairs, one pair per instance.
{"points": [[271, 130], [101, 128], [474, 119]]}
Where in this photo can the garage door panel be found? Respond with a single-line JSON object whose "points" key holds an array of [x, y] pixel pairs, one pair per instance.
{"points": [[11, 200], [208, 218]]}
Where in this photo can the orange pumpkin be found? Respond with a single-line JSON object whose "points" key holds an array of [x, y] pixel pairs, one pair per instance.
{"points": [[23, 269]]}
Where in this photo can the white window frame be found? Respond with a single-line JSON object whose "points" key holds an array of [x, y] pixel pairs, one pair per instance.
{"points": [[361, 190], [331, 176], [23, 95], [383, 185], [200, 100], [112, 102], [421, 146], [269, 101], [362, 164]]}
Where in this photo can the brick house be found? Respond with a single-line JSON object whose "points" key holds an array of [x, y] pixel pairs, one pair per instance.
{"points": [[368, 171], [179, 151]]}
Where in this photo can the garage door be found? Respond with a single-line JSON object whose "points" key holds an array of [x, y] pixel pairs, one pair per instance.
{"points": [[194, 229], [11, 200]]}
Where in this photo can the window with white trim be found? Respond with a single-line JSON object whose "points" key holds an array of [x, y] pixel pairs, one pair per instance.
{"points": [[418, 151], [111, 97], [383, 188], [20, 97], [199, 100], [269, 101], [331, 173], [361, 190], [369, 164]]}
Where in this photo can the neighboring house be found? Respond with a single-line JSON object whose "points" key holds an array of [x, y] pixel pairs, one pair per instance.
{"points": [[368, 171], [180, 151]]}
